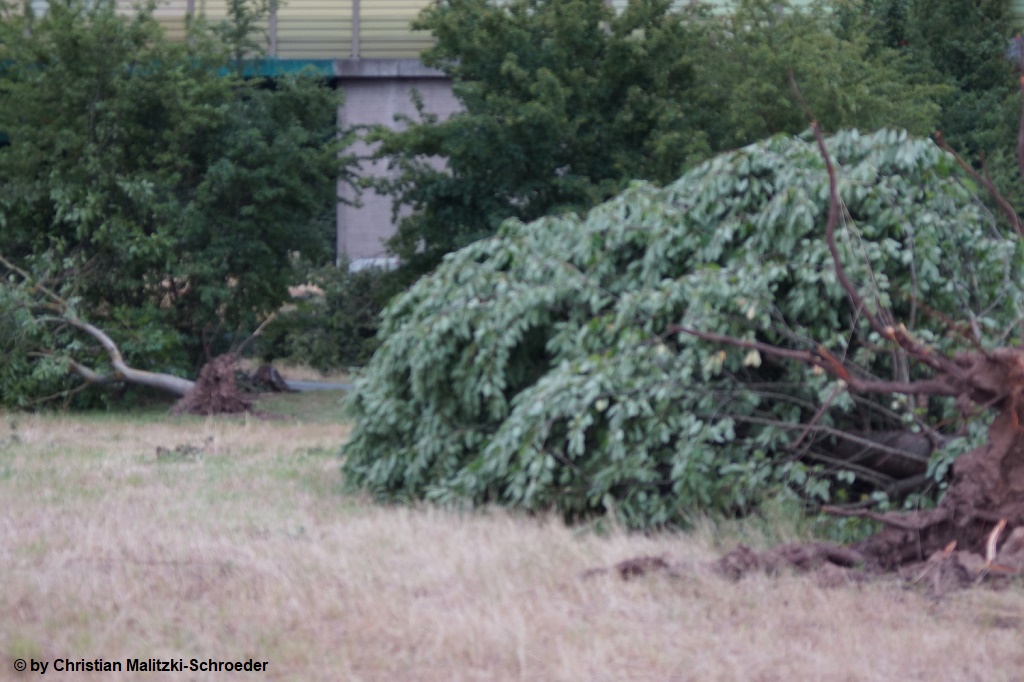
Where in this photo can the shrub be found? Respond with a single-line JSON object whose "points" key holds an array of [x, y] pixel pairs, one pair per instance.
{"points": [[965, 45], [334, 325]]}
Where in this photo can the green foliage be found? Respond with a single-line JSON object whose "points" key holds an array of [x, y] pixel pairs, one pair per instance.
{"points": [[22, 376], [143, 181], [962, 42], [846, 78], [565, 102], [965, 45], [533, 369], [562, 102], [331, 328]]}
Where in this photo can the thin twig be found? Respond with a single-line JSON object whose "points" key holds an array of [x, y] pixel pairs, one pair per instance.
{"points": [[817, 416], [838, 433], [32, 282], [987, 183]]}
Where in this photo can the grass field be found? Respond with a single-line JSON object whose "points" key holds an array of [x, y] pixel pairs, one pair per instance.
{"points": [[146, 536]]}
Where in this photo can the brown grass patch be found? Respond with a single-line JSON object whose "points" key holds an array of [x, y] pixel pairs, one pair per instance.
{"points": [[244, 546]]}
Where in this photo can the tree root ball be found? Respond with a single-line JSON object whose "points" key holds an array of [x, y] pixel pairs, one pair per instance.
{"points": [[975, 534], [215, 391]]}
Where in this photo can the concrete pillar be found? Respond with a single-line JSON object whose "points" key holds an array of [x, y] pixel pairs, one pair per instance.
{"points": [[375, 91]]}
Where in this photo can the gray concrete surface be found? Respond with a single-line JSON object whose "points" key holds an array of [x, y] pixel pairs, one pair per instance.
{"points": [[306, 386], [375, 91]]}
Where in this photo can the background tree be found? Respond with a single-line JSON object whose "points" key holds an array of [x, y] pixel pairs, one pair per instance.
{"points": [[966, 46], [566, 102], [149, 188], [849, 80]]}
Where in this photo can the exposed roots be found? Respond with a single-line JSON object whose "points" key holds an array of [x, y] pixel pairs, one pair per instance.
{"points": [[978, 529], [976, 532], [215, 391], [266, 378]]}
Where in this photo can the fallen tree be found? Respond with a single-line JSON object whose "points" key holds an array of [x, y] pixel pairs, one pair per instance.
{"points": [[541, 369], [164, 199], [49, 318]]}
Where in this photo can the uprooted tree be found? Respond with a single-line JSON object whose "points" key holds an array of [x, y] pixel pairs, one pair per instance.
{"points": [[44, 321], [834, 317], [548, 367], [152, 200]]}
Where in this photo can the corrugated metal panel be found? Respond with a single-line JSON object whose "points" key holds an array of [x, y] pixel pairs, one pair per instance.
{"points": [[213, 10], [170, 14], [314, 29], [385, 31], [322, 29]]}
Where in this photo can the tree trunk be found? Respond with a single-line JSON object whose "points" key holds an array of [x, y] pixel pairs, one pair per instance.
{"points": [[122, 372]]}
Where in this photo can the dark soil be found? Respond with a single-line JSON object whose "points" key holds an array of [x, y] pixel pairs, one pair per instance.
{"points": [[215, 391]]}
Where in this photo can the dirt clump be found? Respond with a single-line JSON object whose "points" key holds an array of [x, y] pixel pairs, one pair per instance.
{"points": [[215, 392]]}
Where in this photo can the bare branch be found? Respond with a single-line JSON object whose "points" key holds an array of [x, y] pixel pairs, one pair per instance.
{"points": [[259, 331], [834, 208], [817, 416], [30, 280], [875, 446], [897, 334], [894, 520], [828, 362], [768, 349], [986, 182], [878, 479], [122, 372]]}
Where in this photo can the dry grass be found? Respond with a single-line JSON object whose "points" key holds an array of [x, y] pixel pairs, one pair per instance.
{"points": [[249, 549]]}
